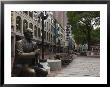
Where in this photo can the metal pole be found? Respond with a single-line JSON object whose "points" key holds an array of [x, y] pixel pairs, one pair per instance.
{"points": [[55, 36], [43, 17], [42, 38], [68, 46]]}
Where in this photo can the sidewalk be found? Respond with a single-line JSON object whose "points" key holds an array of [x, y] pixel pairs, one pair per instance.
{"points": [[53, 73], [80, 67]]}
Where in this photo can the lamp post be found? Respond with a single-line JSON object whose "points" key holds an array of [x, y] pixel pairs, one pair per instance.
{"points": [[68, 37], [58, 38], [55, 35], [43, 16]]}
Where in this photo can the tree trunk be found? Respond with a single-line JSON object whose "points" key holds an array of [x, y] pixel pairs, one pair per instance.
{"points": [[89, 38]]}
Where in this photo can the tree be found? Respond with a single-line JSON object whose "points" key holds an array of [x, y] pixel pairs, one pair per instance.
{"points": [[83, 23], [95, 36]]}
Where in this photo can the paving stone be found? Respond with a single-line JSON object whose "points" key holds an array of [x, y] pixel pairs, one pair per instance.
{"points": [[81, 67]]}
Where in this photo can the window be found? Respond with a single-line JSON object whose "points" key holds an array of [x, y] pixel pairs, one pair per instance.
{"points": [[51, 21], [35, 31], [52, 28], [26, 12], [18, 24], [35, 12], [12, 20], [31, 26], [47, 35], [67, 34], [47, 25], [44, 24], [51, 37], [39, 32], [62, 30], [31, 14], [12, 46], [11, 17], [44, 34], [25, 25]]}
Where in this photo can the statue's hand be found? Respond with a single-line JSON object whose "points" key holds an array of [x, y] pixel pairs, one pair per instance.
{"points": [[37, 51]]}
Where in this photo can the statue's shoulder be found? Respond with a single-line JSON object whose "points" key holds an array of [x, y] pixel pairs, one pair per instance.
{"points": [[20, 41], [33, 42]]}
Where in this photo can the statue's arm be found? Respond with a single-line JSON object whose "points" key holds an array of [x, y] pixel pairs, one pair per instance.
{"points": [[27, 55], [21, 54]]}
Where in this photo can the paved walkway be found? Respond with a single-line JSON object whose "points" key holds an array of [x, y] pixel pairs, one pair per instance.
{"points": [[80, 67]]}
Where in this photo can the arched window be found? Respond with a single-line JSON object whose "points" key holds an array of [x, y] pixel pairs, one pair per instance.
{"points": [[39, 33], [31, 14], [26, 12], [12, 21], [47, 25], [18, 24], [51, 37], [47, 35], [35, 31], [31, 26], [25, 25]]}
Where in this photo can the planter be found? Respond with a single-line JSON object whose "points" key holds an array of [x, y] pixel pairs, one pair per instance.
{"points": [[54, 64]]}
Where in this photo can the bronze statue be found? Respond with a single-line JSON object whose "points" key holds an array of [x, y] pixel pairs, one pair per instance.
{"points": [[27, 54]]}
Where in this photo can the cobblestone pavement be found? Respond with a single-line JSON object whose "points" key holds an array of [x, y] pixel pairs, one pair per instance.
{"points": [[80, 67]]}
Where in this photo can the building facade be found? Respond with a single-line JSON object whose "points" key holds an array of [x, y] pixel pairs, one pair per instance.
{"points": [[61, 18], [54, 30], [21, 20]]}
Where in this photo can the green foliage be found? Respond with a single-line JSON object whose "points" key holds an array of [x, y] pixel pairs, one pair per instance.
{"points": [[83, 23], [80, 37], [95, 36]]}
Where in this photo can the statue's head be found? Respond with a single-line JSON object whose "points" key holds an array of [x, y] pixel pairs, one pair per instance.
{"points": [[28, 33]]}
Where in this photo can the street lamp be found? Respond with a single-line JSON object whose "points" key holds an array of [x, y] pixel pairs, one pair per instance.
{"points": [[55, 30], [43, 16], [68, 32], [56, 35]]}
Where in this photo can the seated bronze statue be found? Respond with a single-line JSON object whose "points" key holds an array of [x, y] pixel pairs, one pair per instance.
{"points": [[27, 58]]}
